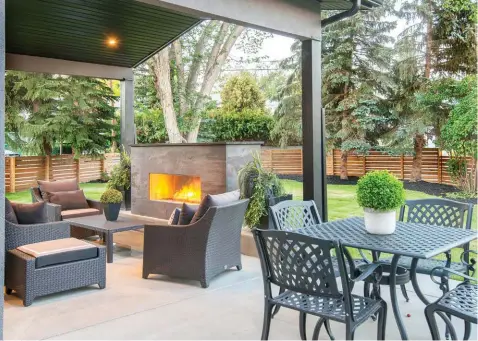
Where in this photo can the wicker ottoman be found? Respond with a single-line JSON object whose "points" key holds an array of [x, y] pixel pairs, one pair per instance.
{"points": [[53, 266]]}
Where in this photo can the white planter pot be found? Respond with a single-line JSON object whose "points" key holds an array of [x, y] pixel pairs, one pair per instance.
{"points": [[377, 222]]}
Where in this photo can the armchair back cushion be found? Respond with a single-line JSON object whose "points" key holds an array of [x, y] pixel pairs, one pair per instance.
{"points": [[187, 213], [9, 212], [215, 200], [68, 200], [30, 213], [57, 186]]}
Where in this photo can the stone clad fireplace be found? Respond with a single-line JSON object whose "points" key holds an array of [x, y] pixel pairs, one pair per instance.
{"points": [[163, 176]]}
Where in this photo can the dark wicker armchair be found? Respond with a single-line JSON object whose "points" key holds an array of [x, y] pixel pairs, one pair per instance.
{"points": [[199, 251], [55, 213]]}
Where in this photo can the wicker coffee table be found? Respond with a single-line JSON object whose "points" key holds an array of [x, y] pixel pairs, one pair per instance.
{"points": [[99, 224]]}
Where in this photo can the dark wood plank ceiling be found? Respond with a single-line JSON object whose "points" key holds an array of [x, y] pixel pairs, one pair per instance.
{"points": [[79, 30]]}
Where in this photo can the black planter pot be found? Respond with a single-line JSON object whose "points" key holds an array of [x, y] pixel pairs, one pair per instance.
{"points": [[111, 211], [126, 204], [266, 221]]}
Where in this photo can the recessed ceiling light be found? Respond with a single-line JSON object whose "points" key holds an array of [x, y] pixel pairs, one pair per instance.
{"points": [[112, 42]]}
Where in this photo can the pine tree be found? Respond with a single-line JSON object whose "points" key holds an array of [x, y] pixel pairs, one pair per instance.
{"points": [[357, 58]]}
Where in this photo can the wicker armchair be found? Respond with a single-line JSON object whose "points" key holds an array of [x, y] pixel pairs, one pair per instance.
{"points": [[54, 213], [199, 251]]}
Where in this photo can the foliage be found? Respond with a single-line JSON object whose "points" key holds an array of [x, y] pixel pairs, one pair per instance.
{"points": [[111, 196], [150, 126], [248, 125], [120, 177], [459, 136], [48, 110], [185, 73], [381, 191], [241, 92], [258, 185]]}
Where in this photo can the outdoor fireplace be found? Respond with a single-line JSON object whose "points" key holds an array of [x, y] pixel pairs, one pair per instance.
{"points": [[163, 176], [175, 187]]}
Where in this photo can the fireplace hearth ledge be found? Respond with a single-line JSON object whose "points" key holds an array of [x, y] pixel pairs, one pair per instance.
{"points": [[215, 163]]}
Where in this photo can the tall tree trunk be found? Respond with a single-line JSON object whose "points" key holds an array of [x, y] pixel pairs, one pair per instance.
{"points": [[343, 165], [162, 82], [213, 70], [418, 145], [47, 149]]}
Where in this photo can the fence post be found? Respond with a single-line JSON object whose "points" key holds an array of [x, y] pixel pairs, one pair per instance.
{"points": [[364, 164], [102, 164], [402, 167], [271, 159], [47, 167], [440, 167], [77, 169], [13, 164]]}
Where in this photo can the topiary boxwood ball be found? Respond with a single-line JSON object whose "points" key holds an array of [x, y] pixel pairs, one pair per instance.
{"points": [[381, 191], [111, 196]]}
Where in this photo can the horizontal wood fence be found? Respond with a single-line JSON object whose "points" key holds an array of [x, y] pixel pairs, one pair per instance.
{"points": [[289, 162], [22, 172]]}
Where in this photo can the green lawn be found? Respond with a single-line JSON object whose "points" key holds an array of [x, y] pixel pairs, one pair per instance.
{"points": [[92, 191]]}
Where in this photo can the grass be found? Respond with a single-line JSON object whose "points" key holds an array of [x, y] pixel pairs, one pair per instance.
{"points": [[92, 191]]}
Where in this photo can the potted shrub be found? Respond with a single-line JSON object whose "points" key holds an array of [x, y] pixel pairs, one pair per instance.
{"points": [[111, 200], [120, 179], [380, 194], [263, 189]]}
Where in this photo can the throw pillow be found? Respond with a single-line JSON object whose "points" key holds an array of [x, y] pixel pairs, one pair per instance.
{"points": [[57, 186], [174, 218], [187, 213], [9, 212], [30, 213], [69, 200], [214, 200]]}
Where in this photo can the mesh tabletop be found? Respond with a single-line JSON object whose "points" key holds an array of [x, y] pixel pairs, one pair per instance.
{"points": [[100, 224], [409, 239]]}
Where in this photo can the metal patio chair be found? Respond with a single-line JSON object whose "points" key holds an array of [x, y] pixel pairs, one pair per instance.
{"points": [[290, 215], [461, 302], [440, 212], [303, 267]]}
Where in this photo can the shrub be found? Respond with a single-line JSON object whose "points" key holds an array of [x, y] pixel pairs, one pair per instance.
{"points": [[381, 191], [120, 177], [111, 196], [242, 92], [248, 125]]}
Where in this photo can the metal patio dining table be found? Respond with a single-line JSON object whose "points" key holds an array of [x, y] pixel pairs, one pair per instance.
{"points": [[419, 241]]}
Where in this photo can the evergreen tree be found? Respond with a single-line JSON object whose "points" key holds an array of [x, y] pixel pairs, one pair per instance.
{"points": [[357, 57], [45, 110]]}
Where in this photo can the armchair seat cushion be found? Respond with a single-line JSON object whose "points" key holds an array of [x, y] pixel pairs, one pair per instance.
{"points": [[82, 212], [59, 251]]}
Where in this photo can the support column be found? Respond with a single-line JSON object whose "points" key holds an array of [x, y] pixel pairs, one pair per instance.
{"points": [[2, 152], [128, 131], [313, 127]]}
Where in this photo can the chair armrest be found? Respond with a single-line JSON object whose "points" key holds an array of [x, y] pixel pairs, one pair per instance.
{"points": [[53, 212], [364, 271], [36, 194], [18, 235], [95, 204], [450, 271], [470, 264]]}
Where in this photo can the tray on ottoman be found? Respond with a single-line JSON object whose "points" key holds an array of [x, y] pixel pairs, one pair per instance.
{"points": [[48, 267]]}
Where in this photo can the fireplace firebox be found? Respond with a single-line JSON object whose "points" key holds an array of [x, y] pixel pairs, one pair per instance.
{"points": [[175, 187]]}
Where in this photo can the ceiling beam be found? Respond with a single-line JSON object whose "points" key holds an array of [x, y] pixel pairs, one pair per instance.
{"points": [[298, 19], [20, 62]]}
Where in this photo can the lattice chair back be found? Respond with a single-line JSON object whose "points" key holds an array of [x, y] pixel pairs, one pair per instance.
{"points": [[302, 264], [290, 215], [441, 212]]}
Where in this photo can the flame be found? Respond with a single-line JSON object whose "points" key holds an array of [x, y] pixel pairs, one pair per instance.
{"points": [[175, 187]]}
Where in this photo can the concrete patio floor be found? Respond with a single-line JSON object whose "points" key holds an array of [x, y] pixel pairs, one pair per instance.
{"points": [[163, 308]]}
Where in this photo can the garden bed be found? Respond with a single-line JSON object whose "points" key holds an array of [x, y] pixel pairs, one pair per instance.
{"points": [[434, 189]]}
